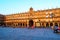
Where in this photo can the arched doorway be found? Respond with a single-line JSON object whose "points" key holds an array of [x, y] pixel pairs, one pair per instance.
{"points": [[47, 24], [56, 24], [51, 24], [20, 24], [30, 23], [42, 24]]}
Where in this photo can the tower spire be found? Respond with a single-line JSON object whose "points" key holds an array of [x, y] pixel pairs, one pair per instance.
{"points": [[31, 9]]}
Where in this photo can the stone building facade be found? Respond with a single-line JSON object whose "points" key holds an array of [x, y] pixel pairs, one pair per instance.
{"points": [[39, 18], [1, 19]]}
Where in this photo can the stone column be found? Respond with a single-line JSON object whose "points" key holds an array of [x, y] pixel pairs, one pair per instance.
{"points": [[17, 24], [53, 25], [27, 23], [41, 24], [45, 24], [22, 24], [58, 24], [49, 24], [34, 24]]}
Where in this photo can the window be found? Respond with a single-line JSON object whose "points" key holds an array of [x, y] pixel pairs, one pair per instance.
{"points": [[46, 12], [47, 16], [50, 12]]}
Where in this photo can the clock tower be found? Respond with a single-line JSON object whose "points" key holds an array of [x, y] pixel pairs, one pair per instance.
{"points": [[31, 10]]}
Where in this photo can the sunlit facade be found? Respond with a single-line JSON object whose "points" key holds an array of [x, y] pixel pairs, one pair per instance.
{"points": [[39, 18]]}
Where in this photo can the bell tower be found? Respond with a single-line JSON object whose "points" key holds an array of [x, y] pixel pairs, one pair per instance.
{"points": [[31, 10]]}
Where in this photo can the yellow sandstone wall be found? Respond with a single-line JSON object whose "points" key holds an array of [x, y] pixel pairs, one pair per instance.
{"points": [[40, 16]]}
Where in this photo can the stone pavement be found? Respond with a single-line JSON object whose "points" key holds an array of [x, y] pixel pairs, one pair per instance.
{"points": [[28, 34]]}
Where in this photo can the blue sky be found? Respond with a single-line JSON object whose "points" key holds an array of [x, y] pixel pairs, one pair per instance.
{"points": [[18, 6]]}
